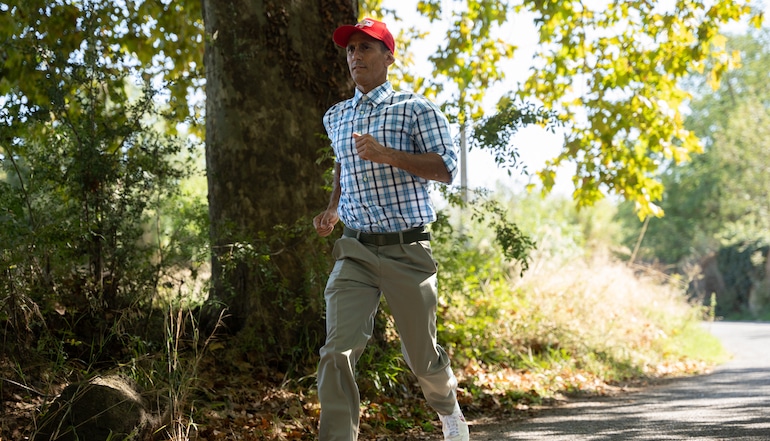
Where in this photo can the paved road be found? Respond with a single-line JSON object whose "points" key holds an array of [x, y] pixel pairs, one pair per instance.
{"points": [[732, 403]]}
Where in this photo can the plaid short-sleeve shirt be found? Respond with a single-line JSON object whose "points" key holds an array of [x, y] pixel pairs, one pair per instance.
{"points": [[380, 198]]}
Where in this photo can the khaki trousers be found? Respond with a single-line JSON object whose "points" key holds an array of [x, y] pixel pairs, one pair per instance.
{"points": [[406, 275]]}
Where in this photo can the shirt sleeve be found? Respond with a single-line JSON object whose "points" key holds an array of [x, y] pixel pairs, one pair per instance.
{"points": [[432, 134]]}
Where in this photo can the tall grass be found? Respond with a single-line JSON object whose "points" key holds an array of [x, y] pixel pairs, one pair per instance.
{"points": [[579, 320]]}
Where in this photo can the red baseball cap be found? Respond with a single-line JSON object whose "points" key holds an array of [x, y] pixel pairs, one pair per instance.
{"points": [[373, 28]]}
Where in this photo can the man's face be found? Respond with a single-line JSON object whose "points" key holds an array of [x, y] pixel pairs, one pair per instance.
{"points": [[368, 61]]}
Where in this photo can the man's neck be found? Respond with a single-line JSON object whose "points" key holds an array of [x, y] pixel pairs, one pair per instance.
{"points": [[366, 90]]}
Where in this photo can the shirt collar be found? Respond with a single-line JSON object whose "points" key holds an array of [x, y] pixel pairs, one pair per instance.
{"points": [[375, 96]]}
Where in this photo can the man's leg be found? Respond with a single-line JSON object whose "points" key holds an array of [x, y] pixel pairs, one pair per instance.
{"points": [[409, 286], [352, 299]]}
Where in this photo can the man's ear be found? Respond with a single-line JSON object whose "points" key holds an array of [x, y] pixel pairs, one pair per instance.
{"points": [[391, 58]]}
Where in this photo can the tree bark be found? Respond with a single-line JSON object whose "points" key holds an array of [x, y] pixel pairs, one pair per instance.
{"points": [[272, 70]]}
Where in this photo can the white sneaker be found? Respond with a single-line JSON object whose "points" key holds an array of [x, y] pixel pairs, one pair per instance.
{"points": [[454, 426]]}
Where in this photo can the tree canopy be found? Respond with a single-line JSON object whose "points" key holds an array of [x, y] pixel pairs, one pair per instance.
{"points": [[610, 70], [149, 38], [722, 196]]}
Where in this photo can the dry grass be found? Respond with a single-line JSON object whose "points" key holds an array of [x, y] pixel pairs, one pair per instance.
{"points": [[579, 325], [606, 306]]}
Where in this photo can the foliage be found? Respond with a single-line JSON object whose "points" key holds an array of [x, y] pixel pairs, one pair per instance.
{"points": [[562, 230], [159, 40], [493, 133], [720, 197], [469, 57], [567, 303], [89, 171], [743, 267], [617, 92], [569, 319], [262, 256], [612, 71], [511, 241], [183, 370]]}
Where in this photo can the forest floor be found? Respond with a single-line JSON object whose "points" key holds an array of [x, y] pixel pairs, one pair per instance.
{"points": [[233, 401]]}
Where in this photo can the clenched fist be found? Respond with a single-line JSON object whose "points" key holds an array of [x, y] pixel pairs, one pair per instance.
{"points": [[324, 223]]}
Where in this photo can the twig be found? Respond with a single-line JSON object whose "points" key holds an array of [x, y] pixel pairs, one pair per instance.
{"points": [[25, 387]]}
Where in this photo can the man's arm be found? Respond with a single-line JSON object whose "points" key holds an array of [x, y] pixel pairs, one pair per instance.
{"points": [[425, 165], [325, 221]]}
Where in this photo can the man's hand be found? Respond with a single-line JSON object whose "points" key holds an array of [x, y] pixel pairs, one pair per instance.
{"points": [[369, 149], [425, 165], [324, 223]]}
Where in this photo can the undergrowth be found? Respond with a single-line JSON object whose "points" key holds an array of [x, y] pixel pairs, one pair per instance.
{"points": [[584, 327], [579, 321]]}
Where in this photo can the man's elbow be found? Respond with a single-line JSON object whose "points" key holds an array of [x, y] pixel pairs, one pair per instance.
{"points": [[444, 177]]}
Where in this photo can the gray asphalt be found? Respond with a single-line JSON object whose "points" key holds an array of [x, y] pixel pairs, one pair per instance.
{"points": [[731, 403]]}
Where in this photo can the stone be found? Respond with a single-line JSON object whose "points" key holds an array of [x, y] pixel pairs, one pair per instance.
{"points": [[105, 408]]}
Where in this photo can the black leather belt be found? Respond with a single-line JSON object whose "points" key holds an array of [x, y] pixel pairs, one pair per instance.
{"points": [[382, 239]]}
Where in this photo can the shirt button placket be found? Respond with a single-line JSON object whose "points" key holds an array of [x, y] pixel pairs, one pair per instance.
{"points": [[364, 108]]}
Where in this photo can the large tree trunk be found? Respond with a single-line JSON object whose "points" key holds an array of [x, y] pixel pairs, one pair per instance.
{"points": [[271, 72]]}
